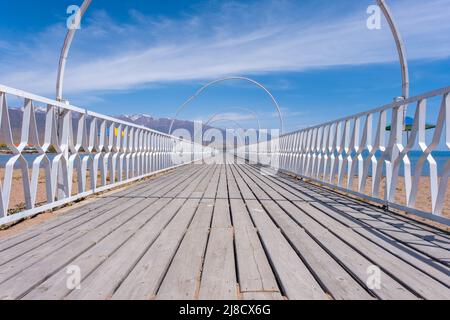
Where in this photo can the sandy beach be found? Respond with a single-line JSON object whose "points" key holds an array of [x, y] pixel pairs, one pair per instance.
{"points": [[17, 203]]}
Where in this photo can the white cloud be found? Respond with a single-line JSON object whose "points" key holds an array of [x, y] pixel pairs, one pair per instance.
{"points": [[232, 39]]}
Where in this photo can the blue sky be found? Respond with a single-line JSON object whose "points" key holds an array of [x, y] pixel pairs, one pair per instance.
{"points": [[147, 56]]}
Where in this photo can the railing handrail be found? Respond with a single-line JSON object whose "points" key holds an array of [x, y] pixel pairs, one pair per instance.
{"points": [[92, 153], [357, 155], [392, 105], [55, 103]]}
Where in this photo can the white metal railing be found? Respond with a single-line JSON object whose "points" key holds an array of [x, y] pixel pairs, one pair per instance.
{"points": [[367, 153], [102, 152]]}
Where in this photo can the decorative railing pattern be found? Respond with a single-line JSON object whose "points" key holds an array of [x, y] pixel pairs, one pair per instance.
{"points": [[365, 155], [80, 153]]}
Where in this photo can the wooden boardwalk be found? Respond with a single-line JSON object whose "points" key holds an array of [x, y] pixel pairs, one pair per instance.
{"points": [[226, 232]]}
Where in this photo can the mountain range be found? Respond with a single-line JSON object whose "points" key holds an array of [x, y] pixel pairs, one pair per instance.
{"points": [[158, 124]]}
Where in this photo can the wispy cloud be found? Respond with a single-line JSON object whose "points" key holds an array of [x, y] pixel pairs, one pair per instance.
{"points": [[229, 39]]}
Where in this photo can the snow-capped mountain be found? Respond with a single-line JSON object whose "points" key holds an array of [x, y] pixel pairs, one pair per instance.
{"points": [[145, 120]]}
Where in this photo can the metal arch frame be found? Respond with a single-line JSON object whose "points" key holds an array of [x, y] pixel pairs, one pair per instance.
{"points": [[65, 52], [230, 120], [237, 124], [381, 3], [199, 92], [400, 47], [255, 116]]}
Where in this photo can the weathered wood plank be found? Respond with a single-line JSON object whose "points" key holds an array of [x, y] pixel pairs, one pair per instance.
{"points": [[182, 280], [79, 225], [254, 271], [27, 279], [348, 232], [339, 283], [246, 193], [222, 190], [233, 189], [221, 217], [106, 279], [56, 286], [415, 279], [260, 296], [218, 280], [211, 190], [416, 259], [143, 281], [297, 281], [102, 283], [276, 192], [71, 219]]}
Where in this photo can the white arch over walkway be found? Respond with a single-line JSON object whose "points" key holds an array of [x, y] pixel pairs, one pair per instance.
{"points": [[212, 83]]}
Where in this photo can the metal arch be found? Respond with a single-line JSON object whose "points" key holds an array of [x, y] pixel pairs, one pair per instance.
{"points": [[382, 4], [230, 120], [199, 92], [400, 47], [65, 52], [237, 124], [255, 116]]}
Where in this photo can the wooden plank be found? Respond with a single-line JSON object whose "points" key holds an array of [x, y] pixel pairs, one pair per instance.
{"points": [[257, 191], [56, 286], [61, 224], [182, 280], [181, 183], [186, 190], [421, 262], [254, 271], [326, 194], [375, 221], [143, 281], [432, 236], [27, 279], [211, 190], [339, 283], [141, 188], [246, 193], [233, 189], [261, 296], [53, 223], [28, 259], [202, 187], [82, 223], [297, 281], [39, 238], [218, 280], [348, 257], [221, 217], [363, 219], [279, 193], [343, 233], [222, 190], [102, 283], [415, 279], [418, 260]]}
